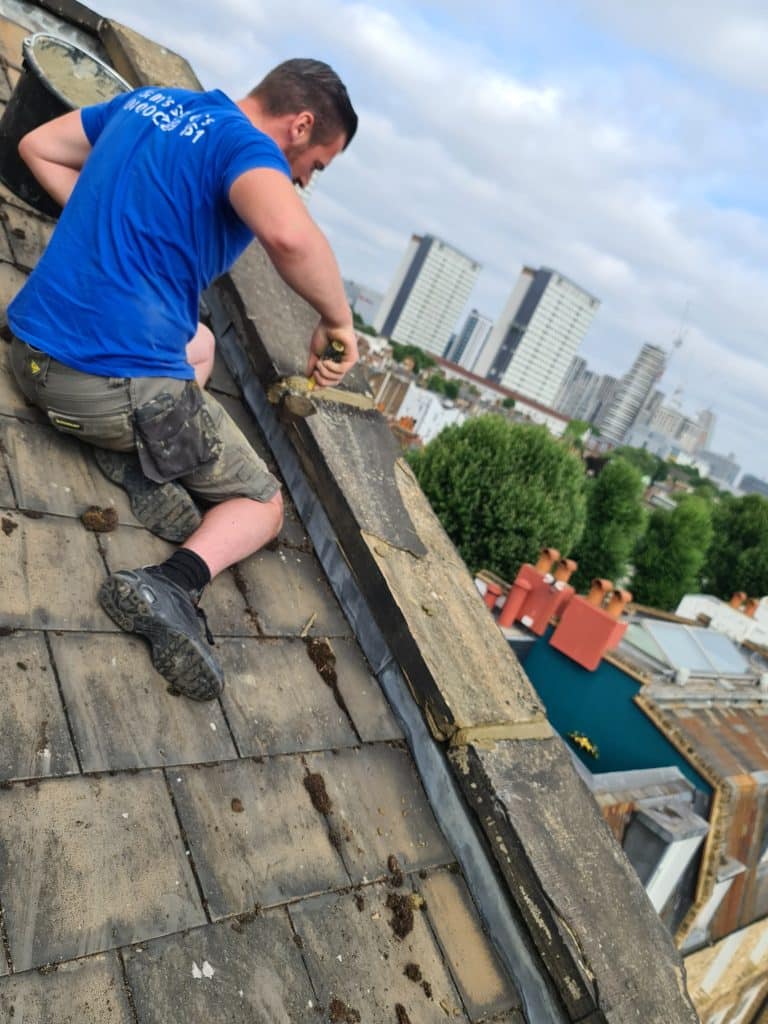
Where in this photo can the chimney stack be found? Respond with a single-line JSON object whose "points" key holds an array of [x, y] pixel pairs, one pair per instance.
{"points": [[566, 567], [547, 558], [598, 591], [617, 602], [753, 603]]}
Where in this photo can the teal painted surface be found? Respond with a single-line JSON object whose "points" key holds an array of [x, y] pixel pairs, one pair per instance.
{"points": [[600, 705]]}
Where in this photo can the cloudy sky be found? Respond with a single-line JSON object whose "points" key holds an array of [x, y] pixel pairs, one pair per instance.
{"points": [[623, 144]]}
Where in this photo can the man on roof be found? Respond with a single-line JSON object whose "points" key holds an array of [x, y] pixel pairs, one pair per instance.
{"points": [[162, 190]]}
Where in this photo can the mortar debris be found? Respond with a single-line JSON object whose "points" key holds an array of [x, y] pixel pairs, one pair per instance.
{"points": [[8, 526], [359, 902], [314, 783], [395, 871], [402, 1016], [401, 921], [237, 805], [31, 513], [22, 665], [427, 989], [412, 971], [340, 1013], [99, 520], [322, 657]]}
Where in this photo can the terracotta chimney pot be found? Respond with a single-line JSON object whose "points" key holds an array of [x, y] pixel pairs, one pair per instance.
{"points": [[738, 599], [492, 592], [753, 603], [618, 602], [566, 567], [598, 591], [547, 558]]}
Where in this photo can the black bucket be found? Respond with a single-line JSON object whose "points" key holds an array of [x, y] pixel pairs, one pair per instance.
{"points": [[57, 77]]}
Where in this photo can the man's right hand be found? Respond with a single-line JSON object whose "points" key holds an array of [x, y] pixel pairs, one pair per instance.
{"points": [[328, 373]]}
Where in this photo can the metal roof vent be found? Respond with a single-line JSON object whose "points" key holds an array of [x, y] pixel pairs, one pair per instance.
{"points": [[682, 675]]}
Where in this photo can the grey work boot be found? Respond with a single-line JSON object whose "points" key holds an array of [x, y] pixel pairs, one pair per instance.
{"points": [[143, 601], [166, 509]]}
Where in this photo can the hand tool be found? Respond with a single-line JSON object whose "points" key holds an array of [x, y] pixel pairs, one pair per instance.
{"points": [[296, 396]]}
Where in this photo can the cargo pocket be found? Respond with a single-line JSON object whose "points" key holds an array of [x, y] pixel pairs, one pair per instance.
{"points": [[175, 435], [93, 427]]}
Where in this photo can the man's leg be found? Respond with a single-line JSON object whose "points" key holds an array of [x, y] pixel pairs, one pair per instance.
{"points": [[165, 509], [160, 602], [235, 529]]}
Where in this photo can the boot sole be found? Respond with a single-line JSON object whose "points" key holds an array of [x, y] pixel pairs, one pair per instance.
{"points": [[174, 655], [167, 510]]}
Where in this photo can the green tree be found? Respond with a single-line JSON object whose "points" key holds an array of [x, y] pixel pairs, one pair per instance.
{"points": [[451, 389], [671, 555], [508, 403], [615, 521], [436, 383], [502, 491], [421, 359], [650, 465], [738, 556]]}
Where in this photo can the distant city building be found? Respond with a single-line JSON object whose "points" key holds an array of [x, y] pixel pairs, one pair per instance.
{"points": [[583, 394], [603, 398], [431, 413], [723, 469], [706, 420], [632, 393], [466, 346], [750, 484], [426, 297], [577, 397], [536, 337], [362, 300]]}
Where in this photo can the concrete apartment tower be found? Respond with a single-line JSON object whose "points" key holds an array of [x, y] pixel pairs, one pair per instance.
{"points": [[468, 343], [426, 297], [634, 390], [536, 337]]}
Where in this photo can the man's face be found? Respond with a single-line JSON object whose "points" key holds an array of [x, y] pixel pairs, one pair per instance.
{"points": [[307, 157]]}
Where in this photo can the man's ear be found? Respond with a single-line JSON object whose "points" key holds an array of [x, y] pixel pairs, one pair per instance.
{"points": [[301, 126]]}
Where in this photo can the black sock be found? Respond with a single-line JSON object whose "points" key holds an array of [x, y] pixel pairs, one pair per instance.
{"points": [[187, 569]]}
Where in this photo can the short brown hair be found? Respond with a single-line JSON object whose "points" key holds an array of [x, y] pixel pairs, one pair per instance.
{"points": [[304, 84]]}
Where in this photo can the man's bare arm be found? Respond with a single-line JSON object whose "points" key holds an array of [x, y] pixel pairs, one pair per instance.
{"points": [[267, 202], [55, 153]]}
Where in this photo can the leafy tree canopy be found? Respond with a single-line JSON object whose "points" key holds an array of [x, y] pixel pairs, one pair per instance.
{"points": [[615, 521], [576, 428], [671, 555], [738, 557], [650, 465], [421, 359], [502, 491]]}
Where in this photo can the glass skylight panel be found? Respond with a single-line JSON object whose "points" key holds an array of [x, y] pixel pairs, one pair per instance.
{"points": [[640, 638], [680, 647], [722, 652]]}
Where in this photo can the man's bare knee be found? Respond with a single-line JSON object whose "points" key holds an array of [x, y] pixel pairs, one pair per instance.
{"points": [[276, 504]]}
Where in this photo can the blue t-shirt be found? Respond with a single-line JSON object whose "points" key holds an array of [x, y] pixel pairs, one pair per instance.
{"points": [[148, 226]]}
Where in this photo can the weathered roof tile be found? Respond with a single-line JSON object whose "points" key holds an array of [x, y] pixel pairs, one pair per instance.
{"points": [[34, 739], [254, 835], [121, 714], [248, 972], [86, 991], [87, 865]]}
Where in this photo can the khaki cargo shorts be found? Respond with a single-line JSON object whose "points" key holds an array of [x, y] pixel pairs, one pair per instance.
{"points": [[178, 430]]}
